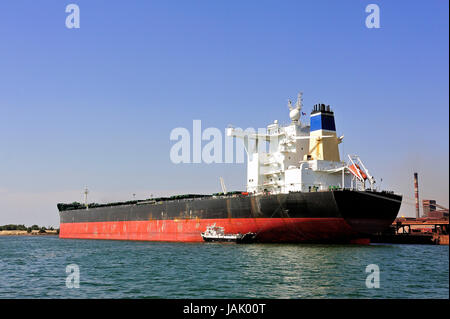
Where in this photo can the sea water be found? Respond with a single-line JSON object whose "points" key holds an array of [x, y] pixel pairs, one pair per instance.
{"points": [[50, 267]]}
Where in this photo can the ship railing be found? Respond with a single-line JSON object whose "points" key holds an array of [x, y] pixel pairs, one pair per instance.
{"points": [[301, 187]]}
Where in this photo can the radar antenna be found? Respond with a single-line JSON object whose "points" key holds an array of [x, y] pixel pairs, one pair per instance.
{"points": [[290, 105], [295, 113]]}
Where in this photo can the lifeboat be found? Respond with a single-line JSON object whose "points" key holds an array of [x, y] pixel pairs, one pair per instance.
{"points": [[357, 171]]}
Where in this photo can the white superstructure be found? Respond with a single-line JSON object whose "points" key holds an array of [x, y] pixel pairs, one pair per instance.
{"points": [[299, 156]]}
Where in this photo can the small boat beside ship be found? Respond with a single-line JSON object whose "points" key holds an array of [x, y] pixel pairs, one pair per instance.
{"points": [[215, 233]]}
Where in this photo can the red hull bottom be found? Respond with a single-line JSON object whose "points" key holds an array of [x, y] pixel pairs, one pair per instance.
{"points": [[189, 230]]}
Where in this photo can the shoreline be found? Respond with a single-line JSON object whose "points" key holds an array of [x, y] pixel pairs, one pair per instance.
{"points": [[25, 233]]}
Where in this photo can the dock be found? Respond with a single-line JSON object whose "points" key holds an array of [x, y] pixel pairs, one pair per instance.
{"points": [[426, 230]]}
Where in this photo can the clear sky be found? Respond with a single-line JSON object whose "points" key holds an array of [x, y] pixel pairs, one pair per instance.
{"points": [[95, 106]]}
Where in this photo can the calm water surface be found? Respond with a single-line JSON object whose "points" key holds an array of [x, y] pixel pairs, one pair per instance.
{"points": [[35, 267]]}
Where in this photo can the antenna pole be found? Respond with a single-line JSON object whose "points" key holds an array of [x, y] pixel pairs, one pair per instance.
{"points": [[222, 183], [86, 192], [299, 103]]}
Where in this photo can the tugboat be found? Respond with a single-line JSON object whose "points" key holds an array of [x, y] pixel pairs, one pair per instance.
{"points": [[216, 233]]}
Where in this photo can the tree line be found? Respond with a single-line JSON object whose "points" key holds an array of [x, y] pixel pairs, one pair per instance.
{"points": [[28, 229]]}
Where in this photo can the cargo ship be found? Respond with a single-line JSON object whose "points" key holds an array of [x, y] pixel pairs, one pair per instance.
{"points": [[299, 190]]}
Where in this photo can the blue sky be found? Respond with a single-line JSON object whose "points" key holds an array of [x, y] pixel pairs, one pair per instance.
{"points": [[95, 105]]}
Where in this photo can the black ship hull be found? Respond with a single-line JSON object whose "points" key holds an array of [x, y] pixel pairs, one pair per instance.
{"points": [[331, 216]]}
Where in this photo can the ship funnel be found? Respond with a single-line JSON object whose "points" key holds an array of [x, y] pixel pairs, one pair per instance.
{"points": [[323, 142]]}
